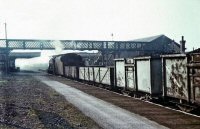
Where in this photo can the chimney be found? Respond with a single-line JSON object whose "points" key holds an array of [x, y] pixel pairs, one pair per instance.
{"points": [[182, 43]]}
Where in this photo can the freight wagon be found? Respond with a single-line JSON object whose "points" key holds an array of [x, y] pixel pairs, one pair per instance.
{"points": [[141, 75], [181, 77], [172, 77], [98, 75]]}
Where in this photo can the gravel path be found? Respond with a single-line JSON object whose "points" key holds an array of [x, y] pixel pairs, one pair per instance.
{"points": [[26, 103], [105, 114]]}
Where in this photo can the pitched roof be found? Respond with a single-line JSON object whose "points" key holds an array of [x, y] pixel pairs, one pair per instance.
{"points": [[148, 39]]}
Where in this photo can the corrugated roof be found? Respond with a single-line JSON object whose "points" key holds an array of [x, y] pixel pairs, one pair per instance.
{"points": [[147, 39]]}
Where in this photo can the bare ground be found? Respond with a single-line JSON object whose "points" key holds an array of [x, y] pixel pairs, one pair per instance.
{"points": [[26, 103]]}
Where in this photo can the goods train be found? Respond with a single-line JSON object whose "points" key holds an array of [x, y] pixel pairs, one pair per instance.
{"points": [[167, 77]]}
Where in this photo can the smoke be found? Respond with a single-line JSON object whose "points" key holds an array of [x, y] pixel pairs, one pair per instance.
{"points": [[59, 47], [35, 64], [42, 62]]}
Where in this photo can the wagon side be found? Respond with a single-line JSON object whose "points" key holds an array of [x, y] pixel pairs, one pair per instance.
{"points": [[149, 75], [175, 77]]}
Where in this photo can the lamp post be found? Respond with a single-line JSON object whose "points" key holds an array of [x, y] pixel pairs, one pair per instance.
{"points": [[5, 30], [112, 36]]}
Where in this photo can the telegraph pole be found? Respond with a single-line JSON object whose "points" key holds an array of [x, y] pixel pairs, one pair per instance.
{"points": [[7, 51]]}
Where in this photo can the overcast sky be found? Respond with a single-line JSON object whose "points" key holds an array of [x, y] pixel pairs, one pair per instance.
{"points": [[97, 19]]}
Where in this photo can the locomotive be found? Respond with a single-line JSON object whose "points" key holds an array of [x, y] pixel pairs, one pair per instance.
{"points": [[167, 77], [58, 62]]}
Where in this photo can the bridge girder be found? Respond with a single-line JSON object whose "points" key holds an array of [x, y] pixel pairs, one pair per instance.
{"points": [[72, 45], [14, 55]]}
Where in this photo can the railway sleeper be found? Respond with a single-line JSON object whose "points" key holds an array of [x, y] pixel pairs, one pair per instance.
{"points": [[182, 105], [186, 108]]}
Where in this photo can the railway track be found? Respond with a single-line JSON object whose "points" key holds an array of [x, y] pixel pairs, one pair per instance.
{"points": [[165, 116]]}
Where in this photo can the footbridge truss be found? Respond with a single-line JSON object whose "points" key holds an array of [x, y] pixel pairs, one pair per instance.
{"points": [[107, 50], [71, 44]]}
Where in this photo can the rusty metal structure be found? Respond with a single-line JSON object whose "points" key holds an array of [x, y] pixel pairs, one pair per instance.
{"points": [[194, 75], [175, 76], [181, 76]]}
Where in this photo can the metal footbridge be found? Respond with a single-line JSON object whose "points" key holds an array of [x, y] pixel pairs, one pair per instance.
{"points": [[71, 44], [108, 50]]}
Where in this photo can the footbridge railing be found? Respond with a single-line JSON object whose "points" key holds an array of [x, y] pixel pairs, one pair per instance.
{"points": [[70, 44]]}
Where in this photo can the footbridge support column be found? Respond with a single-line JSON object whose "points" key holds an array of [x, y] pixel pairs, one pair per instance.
{"points": [[4, 61], [12, 66], [108, 57]]}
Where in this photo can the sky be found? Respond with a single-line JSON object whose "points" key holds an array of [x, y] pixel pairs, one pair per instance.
{"points": [[98, 19]]}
